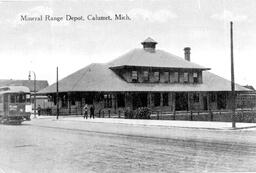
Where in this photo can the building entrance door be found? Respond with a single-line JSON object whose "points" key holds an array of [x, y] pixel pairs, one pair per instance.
{"points": [[139, 100], [221, 100], [181, 101]]}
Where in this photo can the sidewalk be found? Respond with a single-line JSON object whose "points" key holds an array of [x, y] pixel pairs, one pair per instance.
{"points": [[162, 123]]}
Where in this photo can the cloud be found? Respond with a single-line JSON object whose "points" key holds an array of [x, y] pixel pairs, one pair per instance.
{"points": [[229, 16], [160, 16]]}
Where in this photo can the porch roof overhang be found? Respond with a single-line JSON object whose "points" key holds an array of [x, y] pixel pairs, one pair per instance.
{"points": [[99, 78]]}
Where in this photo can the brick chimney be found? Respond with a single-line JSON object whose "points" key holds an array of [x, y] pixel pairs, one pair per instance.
{"points": [[187, 53], [149, 45]]}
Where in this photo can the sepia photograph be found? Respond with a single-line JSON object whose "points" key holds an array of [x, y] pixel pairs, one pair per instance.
{"points": [[127, 86]]}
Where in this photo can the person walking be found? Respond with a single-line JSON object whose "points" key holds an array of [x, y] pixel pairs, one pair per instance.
{"points": [[39, 110], [85, 109], [92, 111]]}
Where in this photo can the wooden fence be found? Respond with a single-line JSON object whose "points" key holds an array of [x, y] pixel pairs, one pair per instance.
{"points": [[242, 115]]}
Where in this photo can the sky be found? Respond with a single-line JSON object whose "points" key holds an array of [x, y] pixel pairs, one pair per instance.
{"points": [[203, 25]]}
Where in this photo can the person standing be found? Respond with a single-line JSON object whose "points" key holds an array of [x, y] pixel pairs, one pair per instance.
{"points": [[92, 111], [39, 110], [85, 109]]}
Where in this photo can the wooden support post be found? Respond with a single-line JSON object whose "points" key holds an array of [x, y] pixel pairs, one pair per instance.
{"points": [[161, 99], [189, 107], [208, 101], [211, 114], [69, 102]]}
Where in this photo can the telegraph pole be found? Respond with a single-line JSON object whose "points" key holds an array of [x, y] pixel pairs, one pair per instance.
{"points": [[233, 95], [34, 91], [57, 94]]}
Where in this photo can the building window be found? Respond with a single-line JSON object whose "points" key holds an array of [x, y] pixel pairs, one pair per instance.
{"points": [[134, 76], [196, 97], [145, 76], [213, 97], [157, 99], [166, 77], [107, 101], [156, 76], [73, 101], [165, 99], [185, 77], [195, 77], [64, 101]]}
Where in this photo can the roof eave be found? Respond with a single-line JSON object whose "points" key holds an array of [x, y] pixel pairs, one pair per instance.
{"points": [[123, 66]]}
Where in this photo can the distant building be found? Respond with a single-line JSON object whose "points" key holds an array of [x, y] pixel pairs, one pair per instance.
{"points": [[145, 77], [40, 84], [250, 87]]}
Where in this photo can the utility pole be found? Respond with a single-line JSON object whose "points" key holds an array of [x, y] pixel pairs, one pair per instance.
{"points": [[233, 94], [34, 91], [57, 94]]}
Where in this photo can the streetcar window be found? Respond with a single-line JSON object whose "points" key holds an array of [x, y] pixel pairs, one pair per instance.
{"points": [[17, 98], [28, 98], [22, 98], [12, 98], [1, 99]]}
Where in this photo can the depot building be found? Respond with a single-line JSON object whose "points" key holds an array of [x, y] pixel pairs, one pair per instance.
{"points": [[144, 77]]}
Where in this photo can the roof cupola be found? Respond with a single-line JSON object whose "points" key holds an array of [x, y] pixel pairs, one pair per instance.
{"points": [[149, 45], [187, 53]]}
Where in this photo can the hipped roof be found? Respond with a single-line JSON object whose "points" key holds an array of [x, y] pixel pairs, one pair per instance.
{"points": [[100, 78], [149, 40], [156, 58]]}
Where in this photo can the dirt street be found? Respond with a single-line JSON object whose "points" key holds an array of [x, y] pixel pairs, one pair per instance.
{"points": [[45, 145]]}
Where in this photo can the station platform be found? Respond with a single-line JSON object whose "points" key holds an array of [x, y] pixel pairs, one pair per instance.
{"points": [[163, 123]]}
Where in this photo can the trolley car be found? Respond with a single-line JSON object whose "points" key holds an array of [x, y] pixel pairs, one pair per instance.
{"points": [[15, 105]]}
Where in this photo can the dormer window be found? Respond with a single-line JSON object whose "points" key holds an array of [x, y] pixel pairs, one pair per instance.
{"points": [[166, 77], [156, 76], [134, 76], [195, 77], [185, 77], [145, 76]]}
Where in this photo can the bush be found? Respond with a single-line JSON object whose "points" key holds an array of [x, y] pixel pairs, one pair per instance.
{"points": [[128, 114], [143, 113], [140, 113]]}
